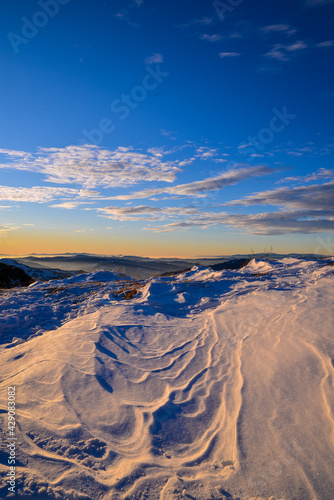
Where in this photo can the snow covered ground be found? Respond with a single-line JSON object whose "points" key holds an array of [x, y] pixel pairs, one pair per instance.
{"points": [[206, 385]]}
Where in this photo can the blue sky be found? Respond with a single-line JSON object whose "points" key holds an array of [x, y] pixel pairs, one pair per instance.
{"points": [[167, 128]]}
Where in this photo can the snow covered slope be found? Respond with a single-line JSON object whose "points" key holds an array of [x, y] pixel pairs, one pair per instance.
{"points": [[207, 385]]}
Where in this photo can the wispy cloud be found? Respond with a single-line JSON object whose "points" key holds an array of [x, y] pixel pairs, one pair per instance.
{"points": [[7, 229], [277, 54], [146, 213], [229, 54], [282, 52], [282, 222], [11, 152], [205, 21], [37, 194], [205, 153], [211, 38], [155, 59], [168, 133], [278, 28], [90, 166], [70, 205], [199, 188], [268, 223], [307, 209], [187, 161], [328, 43], [124, 16], [314, 197], [299, 45], [321, 174]]}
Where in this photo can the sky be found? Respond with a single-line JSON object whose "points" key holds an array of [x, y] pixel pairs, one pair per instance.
{"points": [[166, 128]]}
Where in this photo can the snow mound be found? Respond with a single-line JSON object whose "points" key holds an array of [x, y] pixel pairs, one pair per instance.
{"points": [[259, 266]]}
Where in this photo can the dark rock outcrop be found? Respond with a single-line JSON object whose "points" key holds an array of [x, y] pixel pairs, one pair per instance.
{"points": [[231, 264], [11, 277]]}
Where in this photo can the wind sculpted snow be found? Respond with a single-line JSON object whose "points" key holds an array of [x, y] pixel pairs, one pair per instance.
{"points": [[207, 384]]}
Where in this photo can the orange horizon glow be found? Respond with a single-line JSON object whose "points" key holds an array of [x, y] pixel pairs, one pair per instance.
{"points": [[177, 245]]}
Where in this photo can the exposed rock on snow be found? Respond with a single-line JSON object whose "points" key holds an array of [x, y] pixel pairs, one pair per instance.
{"points": [[11, 277]]}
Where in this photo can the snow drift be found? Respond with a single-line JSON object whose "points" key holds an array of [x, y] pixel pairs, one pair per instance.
{"points": [[208, 384]]}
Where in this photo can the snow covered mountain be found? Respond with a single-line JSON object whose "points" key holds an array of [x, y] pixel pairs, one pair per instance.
{"points": [[38, 273], [208, 384]]}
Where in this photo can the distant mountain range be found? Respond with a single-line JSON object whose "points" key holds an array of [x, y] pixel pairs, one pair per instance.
{"points": [[54, 266]]}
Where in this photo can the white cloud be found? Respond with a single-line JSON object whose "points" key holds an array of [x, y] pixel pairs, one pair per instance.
{"points": [[70, 205], [90, 166], [156, 152], [145, 212], [11, 152], [300, 45], [328, 43], [276, 28], [206, 153], [155, 59], [186, 162], [211, 38], [229, 54], [277, 54], [35, 194], [283, 52]]}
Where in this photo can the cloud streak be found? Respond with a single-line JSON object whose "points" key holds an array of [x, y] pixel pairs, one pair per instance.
{"points": [[314, 197], [268, 223], [307, 210], [278, 28], [199, 188], [222, 55]]}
